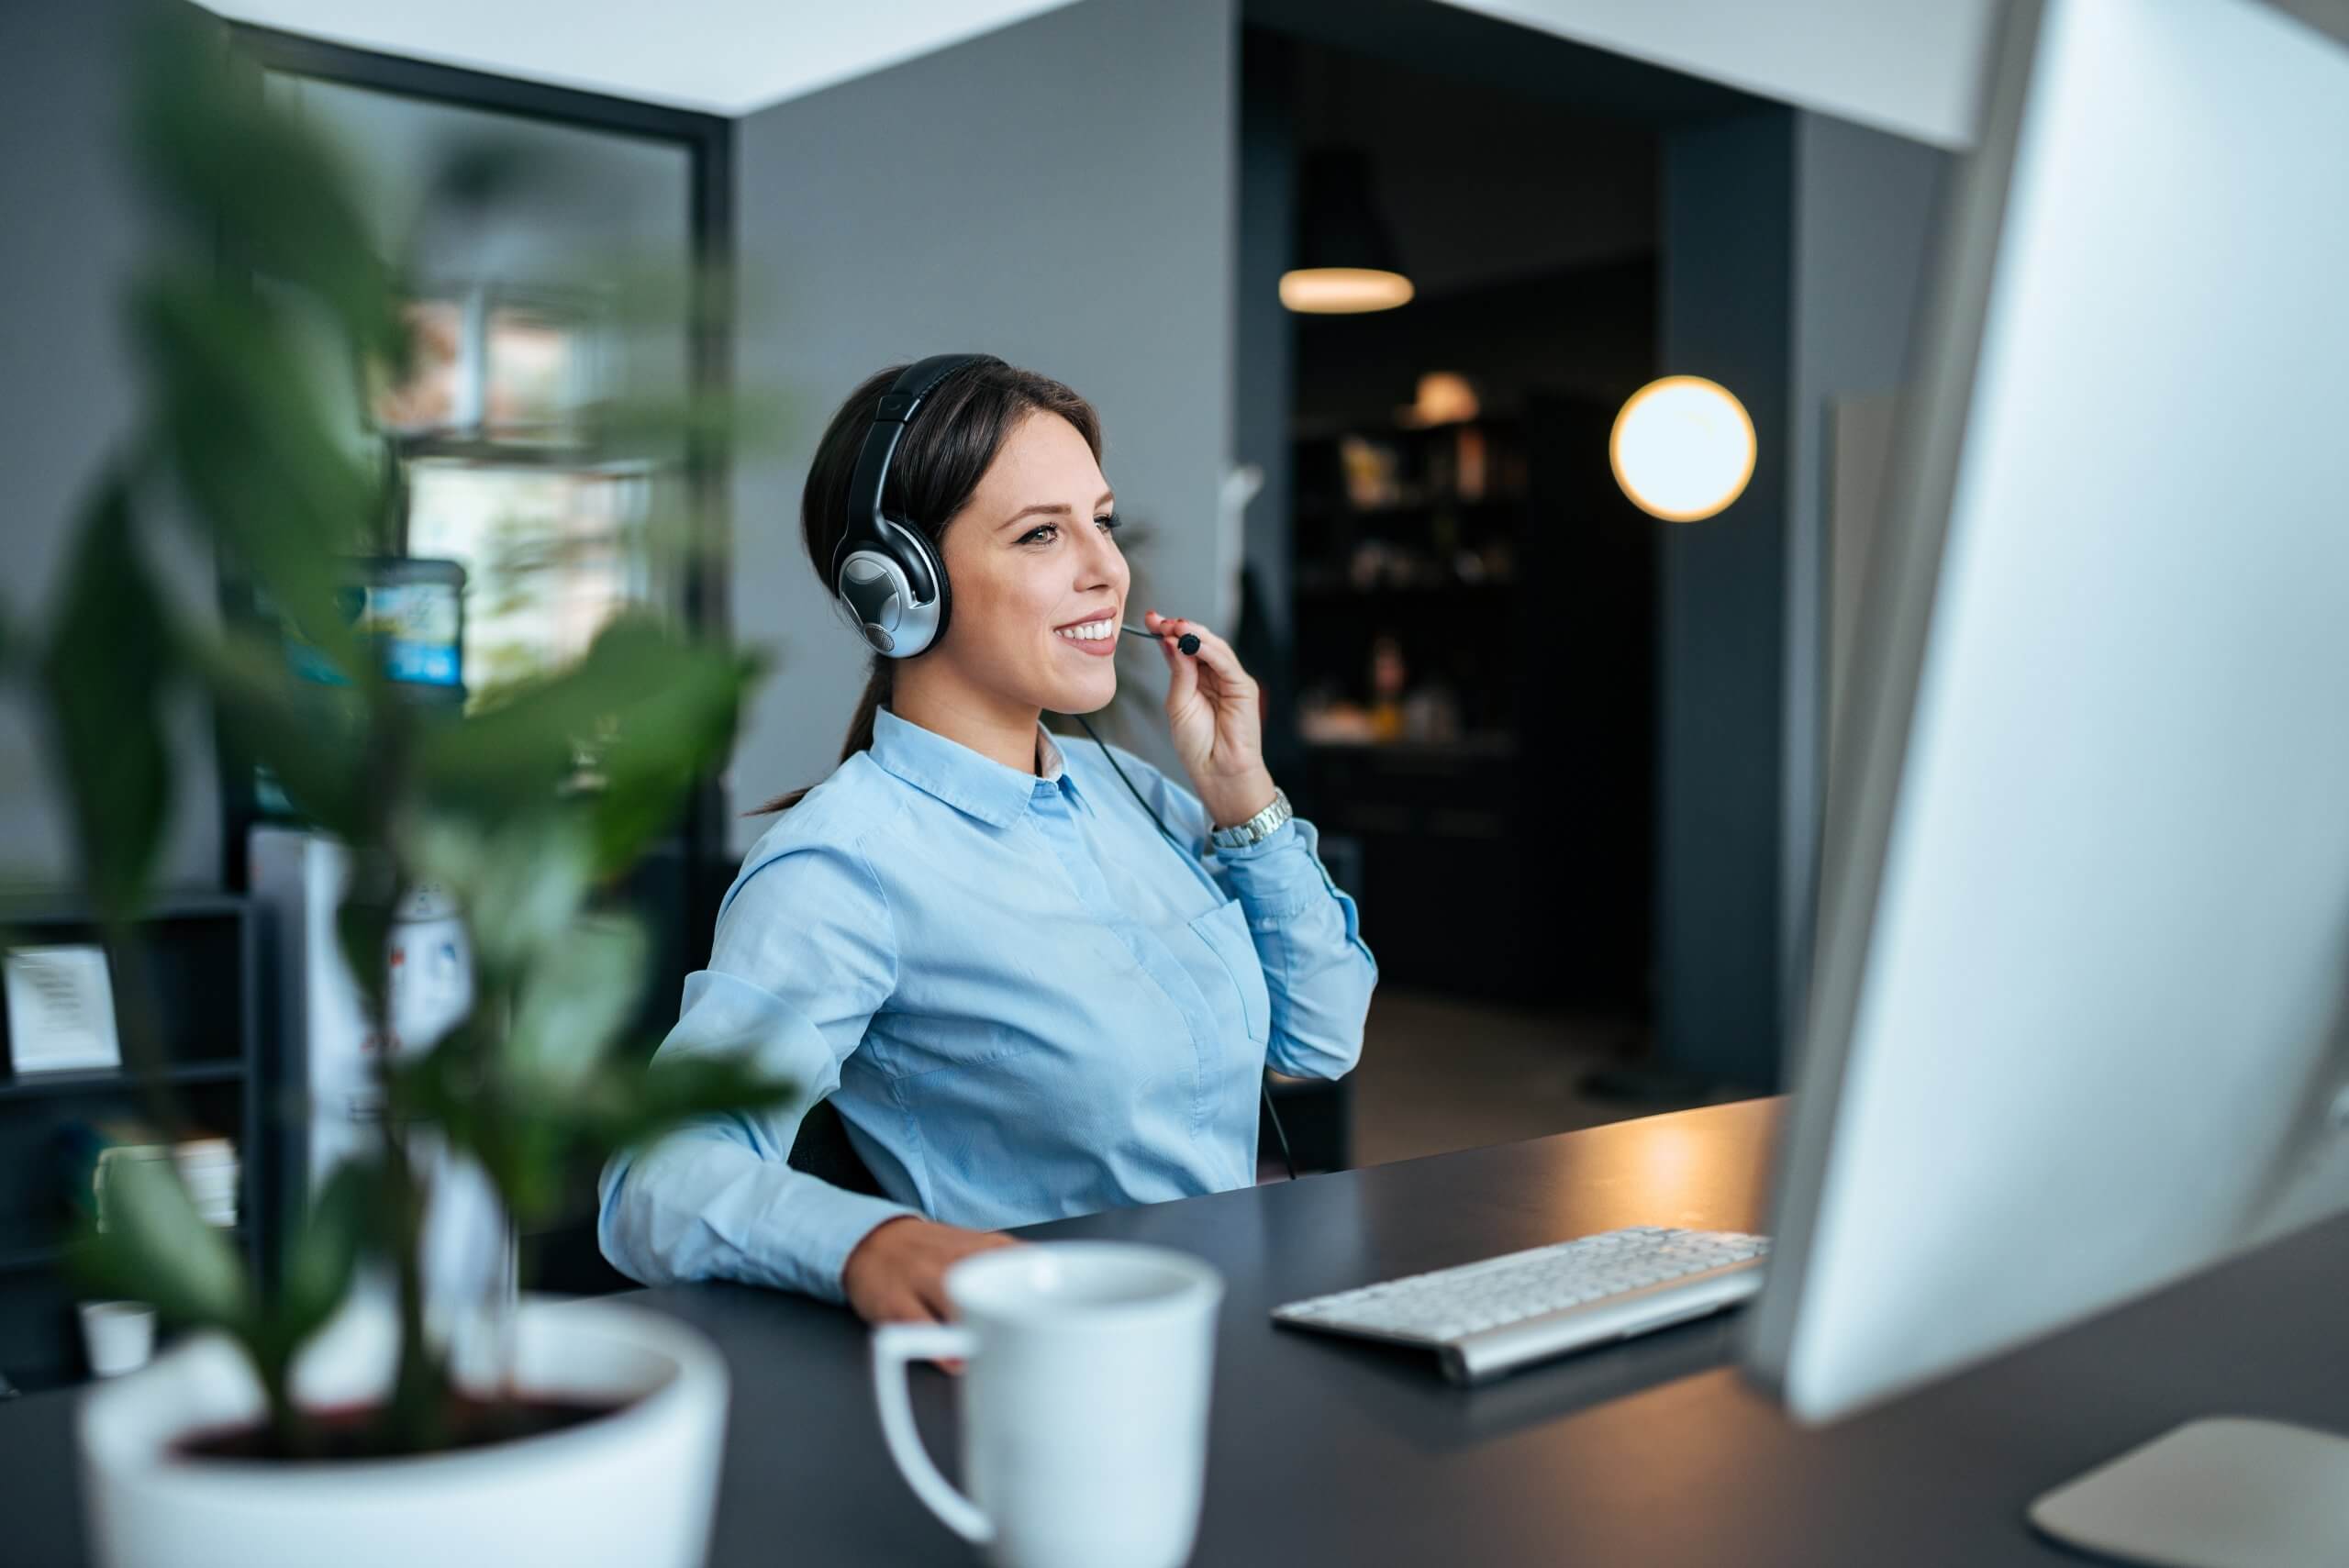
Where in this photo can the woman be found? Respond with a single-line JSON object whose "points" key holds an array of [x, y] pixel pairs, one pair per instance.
{"points": [[1023, 999]]}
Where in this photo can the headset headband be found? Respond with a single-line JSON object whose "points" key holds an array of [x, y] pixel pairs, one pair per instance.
{"points": [[889, 421], [885, 572]]}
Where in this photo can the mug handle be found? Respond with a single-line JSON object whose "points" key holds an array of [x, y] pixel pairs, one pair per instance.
{"points": [[895, 1344]]}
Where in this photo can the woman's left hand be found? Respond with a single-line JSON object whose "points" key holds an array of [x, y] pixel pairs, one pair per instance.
{"points": [[1216, 717]]}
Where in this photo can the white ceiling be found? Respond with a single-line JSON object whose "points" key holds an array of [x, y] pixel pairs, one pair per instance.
{"points": [[1911, 66], [727, 57]]}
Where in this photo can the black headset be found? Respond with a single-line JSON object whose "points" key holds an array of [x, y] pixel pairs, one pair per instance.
{"points": [[887, 573], [891, 579]]}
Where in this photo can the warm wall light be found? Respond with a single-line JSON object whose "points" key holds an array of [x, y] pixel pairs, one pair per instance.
{"points": [[1445, 397], [1343, 291], [1682, 448]]}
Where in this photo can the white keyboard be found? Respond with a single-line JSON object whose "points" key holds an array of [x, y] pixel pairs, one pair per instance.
{"points": [[1499, 1314]]}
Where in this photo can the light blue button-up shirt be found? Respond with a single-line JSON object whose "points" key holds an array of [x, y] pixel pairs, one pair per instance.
{"points": [[1024, 1001]]}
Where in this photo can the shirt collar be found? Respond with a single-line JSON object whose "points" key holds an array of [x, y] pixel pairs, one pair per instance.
{"points": [[962, 777]]}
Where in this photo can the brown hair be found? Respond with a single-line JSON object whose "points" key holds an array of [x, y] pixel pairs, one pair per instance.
{"points": [[953, 438]]}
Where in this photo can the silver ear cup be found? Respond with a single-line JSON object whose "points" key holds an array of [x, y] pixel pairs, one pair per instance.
{"points": [[874, 589], [875, 594]]}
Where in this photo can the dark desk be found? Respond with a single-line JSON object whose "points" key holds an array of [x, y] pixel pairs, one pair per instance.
{"points": [[1327, 1452]]}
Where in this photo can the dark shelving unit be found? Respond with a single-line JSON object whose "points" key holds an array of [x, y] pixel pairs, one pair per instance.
{"points": [[199, 961], [32, 1087], [1507, 860], [1388, 541]]}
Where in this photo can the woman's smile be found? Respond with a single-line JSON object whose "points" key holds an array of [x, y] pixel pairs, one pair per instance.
{"points": [[1098, 637]]}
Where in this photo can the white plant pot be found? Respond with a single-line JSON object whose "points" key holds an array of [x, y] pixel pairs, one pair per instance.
{"points": [[634, 1488]]}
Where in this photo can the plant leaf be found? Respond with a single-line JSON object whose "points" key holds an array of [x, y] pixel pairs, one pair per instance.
{"points": [[252, 445], [524, 1129], [652, 712], [155, 1247], [364, 930], [622, 1106], [104, 671], [324, 1253], [574, 998], [522, 884], [255, 178], [308, 735], [442, 1085], [627, 427]]}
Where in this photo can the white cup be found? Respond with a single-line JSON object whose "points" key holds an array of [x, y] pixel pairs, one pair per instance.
{"points": [[1085, 1409], [119, 1335]]}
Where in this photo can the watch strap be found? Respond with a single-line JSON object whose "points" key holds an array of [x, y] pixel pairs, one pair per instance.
{"points": [[1256, 828]]}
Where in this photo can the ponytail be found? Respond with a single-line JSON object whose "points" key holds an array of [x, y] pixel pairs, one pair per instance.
{"points": [[860, 730]]}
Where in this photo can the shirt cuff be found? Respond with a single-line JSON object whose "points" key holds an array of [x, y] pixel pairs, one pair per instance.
{"points": [[833, 1220], [1281, 874]]}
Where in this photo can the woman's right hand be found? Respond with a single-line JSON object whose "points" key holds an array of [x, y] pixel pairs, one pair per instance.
{"points": [[897, 1274]]}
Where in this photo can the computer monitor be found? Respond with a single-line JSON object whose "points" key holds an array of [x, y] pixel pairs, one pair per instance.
{"points": [[411, 609], [2075, 1018]]}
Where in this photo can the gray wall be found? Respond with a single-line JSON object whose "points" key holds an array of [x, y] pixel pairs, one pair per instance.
{"points": [[1059, 193], [1265, 374], [1726, 313], [1793, 247], [67, 394]]}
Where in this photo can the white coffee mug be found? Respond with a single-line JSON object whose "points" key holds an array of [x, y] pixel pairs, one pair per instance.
{"points": [[119, 1336], [1084, 1408]]}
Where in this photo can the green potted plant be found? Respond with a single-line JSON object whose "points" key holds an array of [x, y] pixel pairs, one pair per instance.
{"points": [[584, 1432]]}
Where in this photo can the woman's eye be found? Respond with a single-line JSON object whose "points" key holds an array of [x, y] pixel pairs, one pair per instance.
{"points": [[1108, 524]]}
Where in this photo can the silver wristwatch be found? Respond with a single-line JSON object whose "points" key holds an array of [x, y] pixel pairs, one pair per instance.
{"points": [[1258, 826]]}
